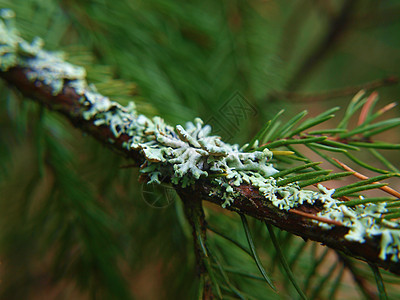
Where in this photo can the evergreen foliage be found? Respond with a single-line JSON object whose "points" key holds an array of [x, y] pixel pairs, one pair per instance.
{"points": [[75, 221]]}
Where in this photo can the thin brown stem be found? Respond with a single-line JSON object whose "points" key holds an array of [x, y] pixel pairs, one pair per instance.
{"points": [[363, 177], [314, 217], [194, 213]]}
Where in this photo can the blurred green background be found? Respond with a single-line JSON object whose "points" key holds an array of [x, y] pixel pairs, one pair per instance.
{"points": [[73, 223]]}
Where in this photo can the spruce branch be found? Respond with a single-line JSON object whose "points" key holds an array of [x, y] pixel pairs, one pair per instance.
{"points": [[202, 165]]}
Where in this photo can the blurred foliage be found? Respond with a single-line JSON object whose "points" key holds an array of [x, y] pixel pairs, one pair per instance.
{"points": [[74, 224]]}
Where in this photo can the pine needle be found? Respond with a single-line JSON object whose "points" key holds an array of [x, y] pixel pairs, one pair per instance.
{"points": [[284, 263], [254, 252]]}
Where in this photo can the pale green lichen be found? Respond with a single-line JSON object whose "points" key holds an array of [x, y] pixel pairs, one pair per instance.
{"points": [[185, 154], [52, 70], [45, 67], [193, 152]]}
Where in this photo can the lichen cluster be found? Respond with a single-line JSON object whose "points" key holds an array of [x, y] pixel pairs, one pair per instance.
{"points": [[185, 154], [49, 68], [361, 219], [193, 152]]}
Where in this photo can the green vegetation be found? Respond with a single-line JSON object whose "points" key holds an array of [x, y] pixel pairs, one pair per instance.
{"points": [[75, 221]]}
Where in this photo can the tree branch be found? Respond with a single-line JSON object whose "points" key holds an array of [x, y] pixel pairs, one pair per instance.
{"points": [[186, 161], [67, 103]]}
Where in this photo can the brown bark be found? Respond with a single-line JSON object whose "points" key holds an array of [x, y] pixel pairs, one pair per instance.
{"points": [[249, 202]]}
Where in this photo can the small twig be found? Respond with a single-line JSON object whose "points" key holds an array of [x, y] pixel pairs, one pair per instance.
{"points": [[344, 198], [194, 213], [363, 177], [314, 217]]}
